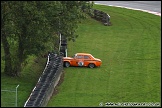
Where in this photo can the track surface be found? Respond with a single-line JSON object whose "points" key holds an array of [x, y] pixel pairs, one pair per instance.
{"points": [[153, 7]]}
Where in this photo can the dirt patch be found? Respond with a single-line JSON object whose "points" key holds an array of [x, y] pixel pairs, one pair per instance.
{"points": [[56, 91]]}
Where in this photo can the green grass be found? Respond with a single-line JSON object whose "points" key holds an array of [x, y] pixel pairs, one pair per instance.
{"points": [[130, 54]]}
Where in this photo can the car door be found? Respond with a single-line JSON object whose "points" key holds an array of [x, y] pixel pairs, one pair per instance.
{"points": [[86, 60], [78, 61]]}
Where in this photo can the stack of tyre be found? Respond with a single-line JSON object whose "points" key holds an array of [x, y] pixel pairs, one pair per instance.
{"points": [[63, 45], [46, 83], [102, 17]]}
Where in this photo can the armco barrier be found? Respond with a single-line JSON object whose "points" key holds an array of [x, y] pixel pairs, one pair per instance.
{"points": [[44, 88]]}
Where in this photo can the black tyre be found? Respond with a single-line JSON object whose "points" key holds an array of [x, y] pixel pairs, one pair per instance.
{"points": [[66, 64], [91, 65]]}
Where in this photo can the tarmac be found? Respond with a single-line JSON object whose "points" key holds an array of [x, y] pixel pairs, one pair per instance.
{"points": [[153, 7]]}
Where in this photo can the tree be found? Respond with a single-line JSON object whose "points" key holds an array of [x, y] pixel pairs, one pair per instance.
{"points": [[27, 27], [5, 15], [72, 14]]}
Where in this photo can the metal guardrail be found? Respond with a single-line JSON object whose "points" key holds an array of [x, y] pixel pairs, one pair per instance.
{"points": [[44, 88]]}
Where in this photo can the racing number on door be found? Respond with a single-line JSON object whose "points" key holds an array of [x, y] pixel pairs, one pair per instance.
{"points": [[80, 63]]}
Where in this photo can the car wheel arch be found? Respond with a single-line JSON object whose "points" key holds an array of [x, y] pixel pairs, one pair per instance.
{"points": [[91, 65], [66, 64]]}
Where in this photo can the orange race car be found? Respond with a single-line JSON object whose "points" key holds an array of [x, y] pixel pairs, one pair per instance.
{"points": [[82, 59]]}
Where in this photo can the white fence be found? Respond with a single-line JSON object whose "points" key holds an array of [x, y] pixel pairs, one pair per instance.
{"points": [[9, 97]]}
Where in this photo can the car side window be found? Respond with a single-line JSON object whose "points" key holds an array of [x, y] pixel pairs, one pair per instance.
{"points": [[79, 57], [86, 57]]}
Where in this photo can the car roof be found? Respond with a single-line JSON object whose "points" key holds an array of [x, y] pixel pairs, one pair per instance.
{"points": [[83, 53]]}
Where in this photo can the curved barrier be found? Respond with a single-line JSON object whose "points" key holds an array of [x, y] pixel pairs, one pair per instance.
{"points": [[44, 88]]}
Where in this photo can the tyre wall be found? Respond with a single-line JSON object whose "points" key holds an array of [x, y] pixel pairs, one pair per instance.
{"points": [[44, 88], [101, 16]]}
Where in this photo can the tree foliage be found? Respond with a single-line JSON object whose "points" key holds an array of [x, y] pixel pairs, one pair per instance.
{"points": [[27, 27]]}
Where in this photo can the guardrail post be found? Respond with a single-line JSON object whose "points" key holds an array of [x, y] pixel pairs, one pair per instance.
{"points": [[16, 95]]}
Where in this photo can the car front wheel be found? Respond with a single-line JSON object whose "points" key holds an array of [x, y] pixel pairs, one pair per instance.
{"points": [[66, 64], [91, 65]]}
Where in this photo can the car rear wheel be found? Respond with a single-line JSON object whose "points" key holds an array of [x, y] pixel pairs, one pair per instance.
{"points": [[66, 64], [91, 65]]}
